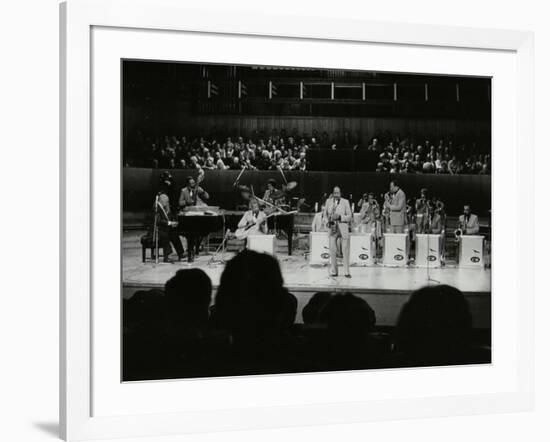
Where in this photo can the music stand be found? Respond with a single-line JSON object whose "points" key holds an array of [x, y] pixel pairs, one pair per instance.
{"points": [[222, 247], [428, 276]]}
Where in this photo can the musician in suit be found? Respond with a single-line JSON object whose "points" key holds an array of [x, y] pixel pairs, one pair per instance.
{"points": [[166, 227], [168, 187], [274, 195], [468, 222], [438, 219], [396, 203], [369, 214], [339, 216], [193, 195], [254, 220], [422, 212]]}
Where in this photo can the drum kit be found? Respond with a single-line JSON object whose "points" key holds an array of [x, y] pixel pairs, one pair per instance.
{"points": [[279, 194]]}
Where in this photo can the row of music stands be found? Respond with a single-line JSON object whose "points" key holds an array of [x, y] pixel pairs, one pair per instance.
{"points": [[396, 250]]}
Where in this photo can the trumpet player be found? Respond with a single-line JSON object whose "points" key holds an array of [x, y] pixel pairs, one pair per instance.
{"points": [[422, 209], [395, 202], [468, 223], [338, 214], [438, 220], [369, 214]]}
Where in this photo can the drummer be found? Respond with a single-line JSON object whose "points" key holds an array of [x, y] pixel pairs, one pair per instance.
{"points": [[274, 195]]}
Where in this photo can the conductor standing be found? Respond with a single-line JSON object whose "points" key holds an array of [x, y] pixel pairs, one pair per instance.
{"points": [[338, 214]]}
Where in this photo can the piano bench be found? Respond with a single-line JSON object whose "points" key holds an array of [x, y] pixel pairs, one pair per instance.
{"points": [[148, 243]]}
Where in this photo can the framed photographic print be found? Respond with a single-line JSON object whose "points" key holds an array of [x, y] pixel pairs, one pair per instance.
{"points": [[285, 223]]}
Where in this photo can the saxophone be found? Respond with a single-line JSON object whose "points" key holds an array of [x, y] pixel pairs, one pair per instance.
{"points": [[331, 223]]}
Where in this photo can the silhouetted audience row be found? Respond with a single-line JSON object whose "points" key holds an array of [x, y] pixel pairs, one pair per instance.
{"points": [[251, 328], [280, 150]]}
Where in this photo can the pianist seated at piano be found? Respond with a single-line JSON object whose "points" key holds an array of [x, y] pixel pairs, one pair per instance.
{"points": [[468, 223], [166, 223], [253, 221]]}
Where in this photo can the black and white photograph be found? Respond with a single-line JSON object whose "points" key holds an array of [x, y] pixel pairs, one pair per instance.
{"points": [[294, 219]]}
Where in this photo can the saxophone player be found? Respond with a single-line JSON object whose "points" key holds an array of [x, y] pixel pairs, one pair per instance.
{"points": [[396, 204], [338, 214], [468, 223]]}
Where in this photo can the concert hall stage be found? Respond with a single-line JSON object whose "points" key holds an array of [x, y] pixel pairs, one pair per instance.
{"points": [[385, 288]]}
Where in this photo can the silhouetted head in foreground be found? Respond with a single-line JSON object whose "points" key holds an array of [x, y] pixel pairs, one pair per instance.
{"points": [[435, 327], [251, 301], [311, 313], [188, 295], [349, 321], [144, 312]]}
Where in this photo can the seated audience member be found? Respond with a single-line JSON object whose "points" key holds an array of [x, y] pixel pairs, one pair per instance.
{"points": [[188, 294], [143, 328], [311, 313], [253, 306], [142, 311], [194, 349], [350, 343], [396, 154], [435, 328]]}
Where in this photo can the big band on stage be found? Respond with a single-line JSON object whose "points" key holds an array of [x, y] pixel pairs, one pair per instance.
{"points": [[390, 226]]}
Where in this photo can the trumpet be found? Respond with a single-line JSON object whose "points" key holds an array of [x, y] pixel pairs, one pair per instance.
{"points": [[458, 233]]}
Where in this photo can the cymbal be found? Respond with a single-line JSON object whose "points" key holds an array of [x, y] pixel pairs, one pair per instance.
{"points": [[243, 188], [291, 185]]}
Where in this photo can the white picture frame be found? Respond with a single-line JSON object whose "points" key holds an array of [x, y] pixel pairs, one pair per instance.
{"points": [[77, 370]]}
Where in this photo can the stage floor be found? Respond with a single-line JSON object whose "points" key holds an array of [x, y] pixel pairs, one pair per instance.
{"points": [[299, 275]]}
